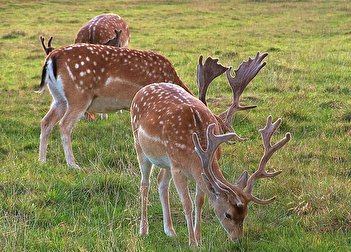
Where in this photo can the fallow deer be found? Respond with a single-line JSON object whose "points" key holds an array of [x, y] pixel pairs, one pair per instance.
{"points": [[169, 127], [105, 29], [95, 78]]}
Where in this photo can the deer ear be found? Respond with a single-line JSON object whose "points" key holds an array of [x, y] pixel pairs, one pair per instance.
{"points": [[242, 181], [210, 187]]}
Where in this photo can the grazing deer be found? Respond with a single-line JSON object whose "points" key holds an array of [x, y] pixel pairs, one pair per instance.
{"points": [[167, 122], [95, 78], [105, 29]]}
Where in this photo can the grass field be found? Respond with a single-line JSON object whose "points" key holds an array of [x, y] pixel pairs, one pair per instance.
{"points": [[306, 82]]}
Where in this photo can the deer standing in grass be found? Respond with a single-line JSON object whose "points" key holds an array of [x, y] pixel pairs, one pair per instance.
{"points": [[171, 128], [104, 29], [95, 78]]}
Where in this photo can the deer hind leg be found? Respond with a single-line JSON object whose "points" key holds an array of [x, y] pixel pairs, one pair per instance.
{"points": [[163, 179], [73, 113], [55, 113], [199, 201], [181, 184], [146, 170]]}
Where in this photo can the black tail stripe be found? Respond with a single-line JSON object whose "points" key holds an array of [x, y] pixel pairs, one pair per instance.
{"points": [[43, 76], [54, 66]]}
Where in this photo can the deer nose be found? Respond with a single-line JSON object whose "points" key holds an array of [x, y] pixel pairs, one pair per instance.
{"points": [[236, 236]]}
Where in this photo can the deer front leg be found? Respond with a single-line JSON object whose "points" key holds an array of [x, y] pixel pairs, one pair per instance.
{"points": [[199, 201], [163, 179], [55, 113], [181, 184], [145, 169]]}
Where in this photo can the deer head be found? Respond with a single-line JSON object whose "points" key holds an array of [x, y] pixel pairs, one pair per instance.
{"points": [[116, 41], [230, 201]]}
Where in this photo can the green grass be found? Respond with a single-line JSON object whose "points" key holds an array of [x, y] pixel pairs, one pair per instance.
{"points": [[306, 82]]}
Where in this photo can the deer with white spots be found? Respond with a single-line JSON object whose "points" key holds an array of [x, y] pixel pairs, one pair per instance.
{"points": [[105, 29], [95, 78], [171, 128]]}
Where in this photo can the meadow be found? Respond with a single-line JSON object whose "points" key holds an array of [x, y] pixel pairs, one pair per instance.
{"points": [[49, 207]]}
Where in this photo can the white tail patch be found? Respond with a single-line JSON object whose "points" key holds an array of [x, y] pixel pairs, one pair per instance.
{"points": [[55, 85]]}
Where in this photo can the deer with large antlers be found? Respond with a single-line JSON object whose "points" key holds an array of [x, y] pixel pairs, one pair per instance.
{"points": [[95, 78], [170, 126]]}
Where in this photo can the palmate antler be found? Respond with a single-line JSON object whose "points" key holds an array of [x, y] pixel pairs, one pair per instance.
{"points": [[49, 48], [243, 75], [266, 134], [206, 73], [206, 156]]}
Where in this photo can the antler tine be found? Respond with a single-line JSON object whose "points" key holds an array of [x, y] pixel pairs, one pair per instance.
{"points": [[42, 39], [49, 48], [213, 141], [206, 73], [49, 42], [246, 71], [206, 157], [266, 134]]}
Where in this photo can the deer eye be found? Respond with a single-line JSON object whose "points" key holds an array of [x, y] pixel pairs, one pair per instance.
{"points": [[228, 216]]}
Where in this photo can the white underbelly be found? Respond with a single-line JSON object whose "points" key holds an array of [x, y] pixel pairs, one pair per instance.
{"points": [[153, 148], [108, 104], [162, 162]]}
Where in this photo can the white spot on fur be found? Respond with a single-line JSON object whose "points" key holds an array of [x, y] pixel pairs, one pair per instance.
{"points": [[180, 146]]}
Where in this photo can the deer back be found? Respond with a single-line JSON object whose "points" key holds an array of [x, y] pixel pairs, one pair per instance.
{"points": [[98, 70], [101, 29]]}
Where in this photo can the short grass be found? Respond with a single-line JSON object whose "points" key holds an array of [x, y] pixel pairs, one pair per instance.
{"points": [[306, 82]]}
